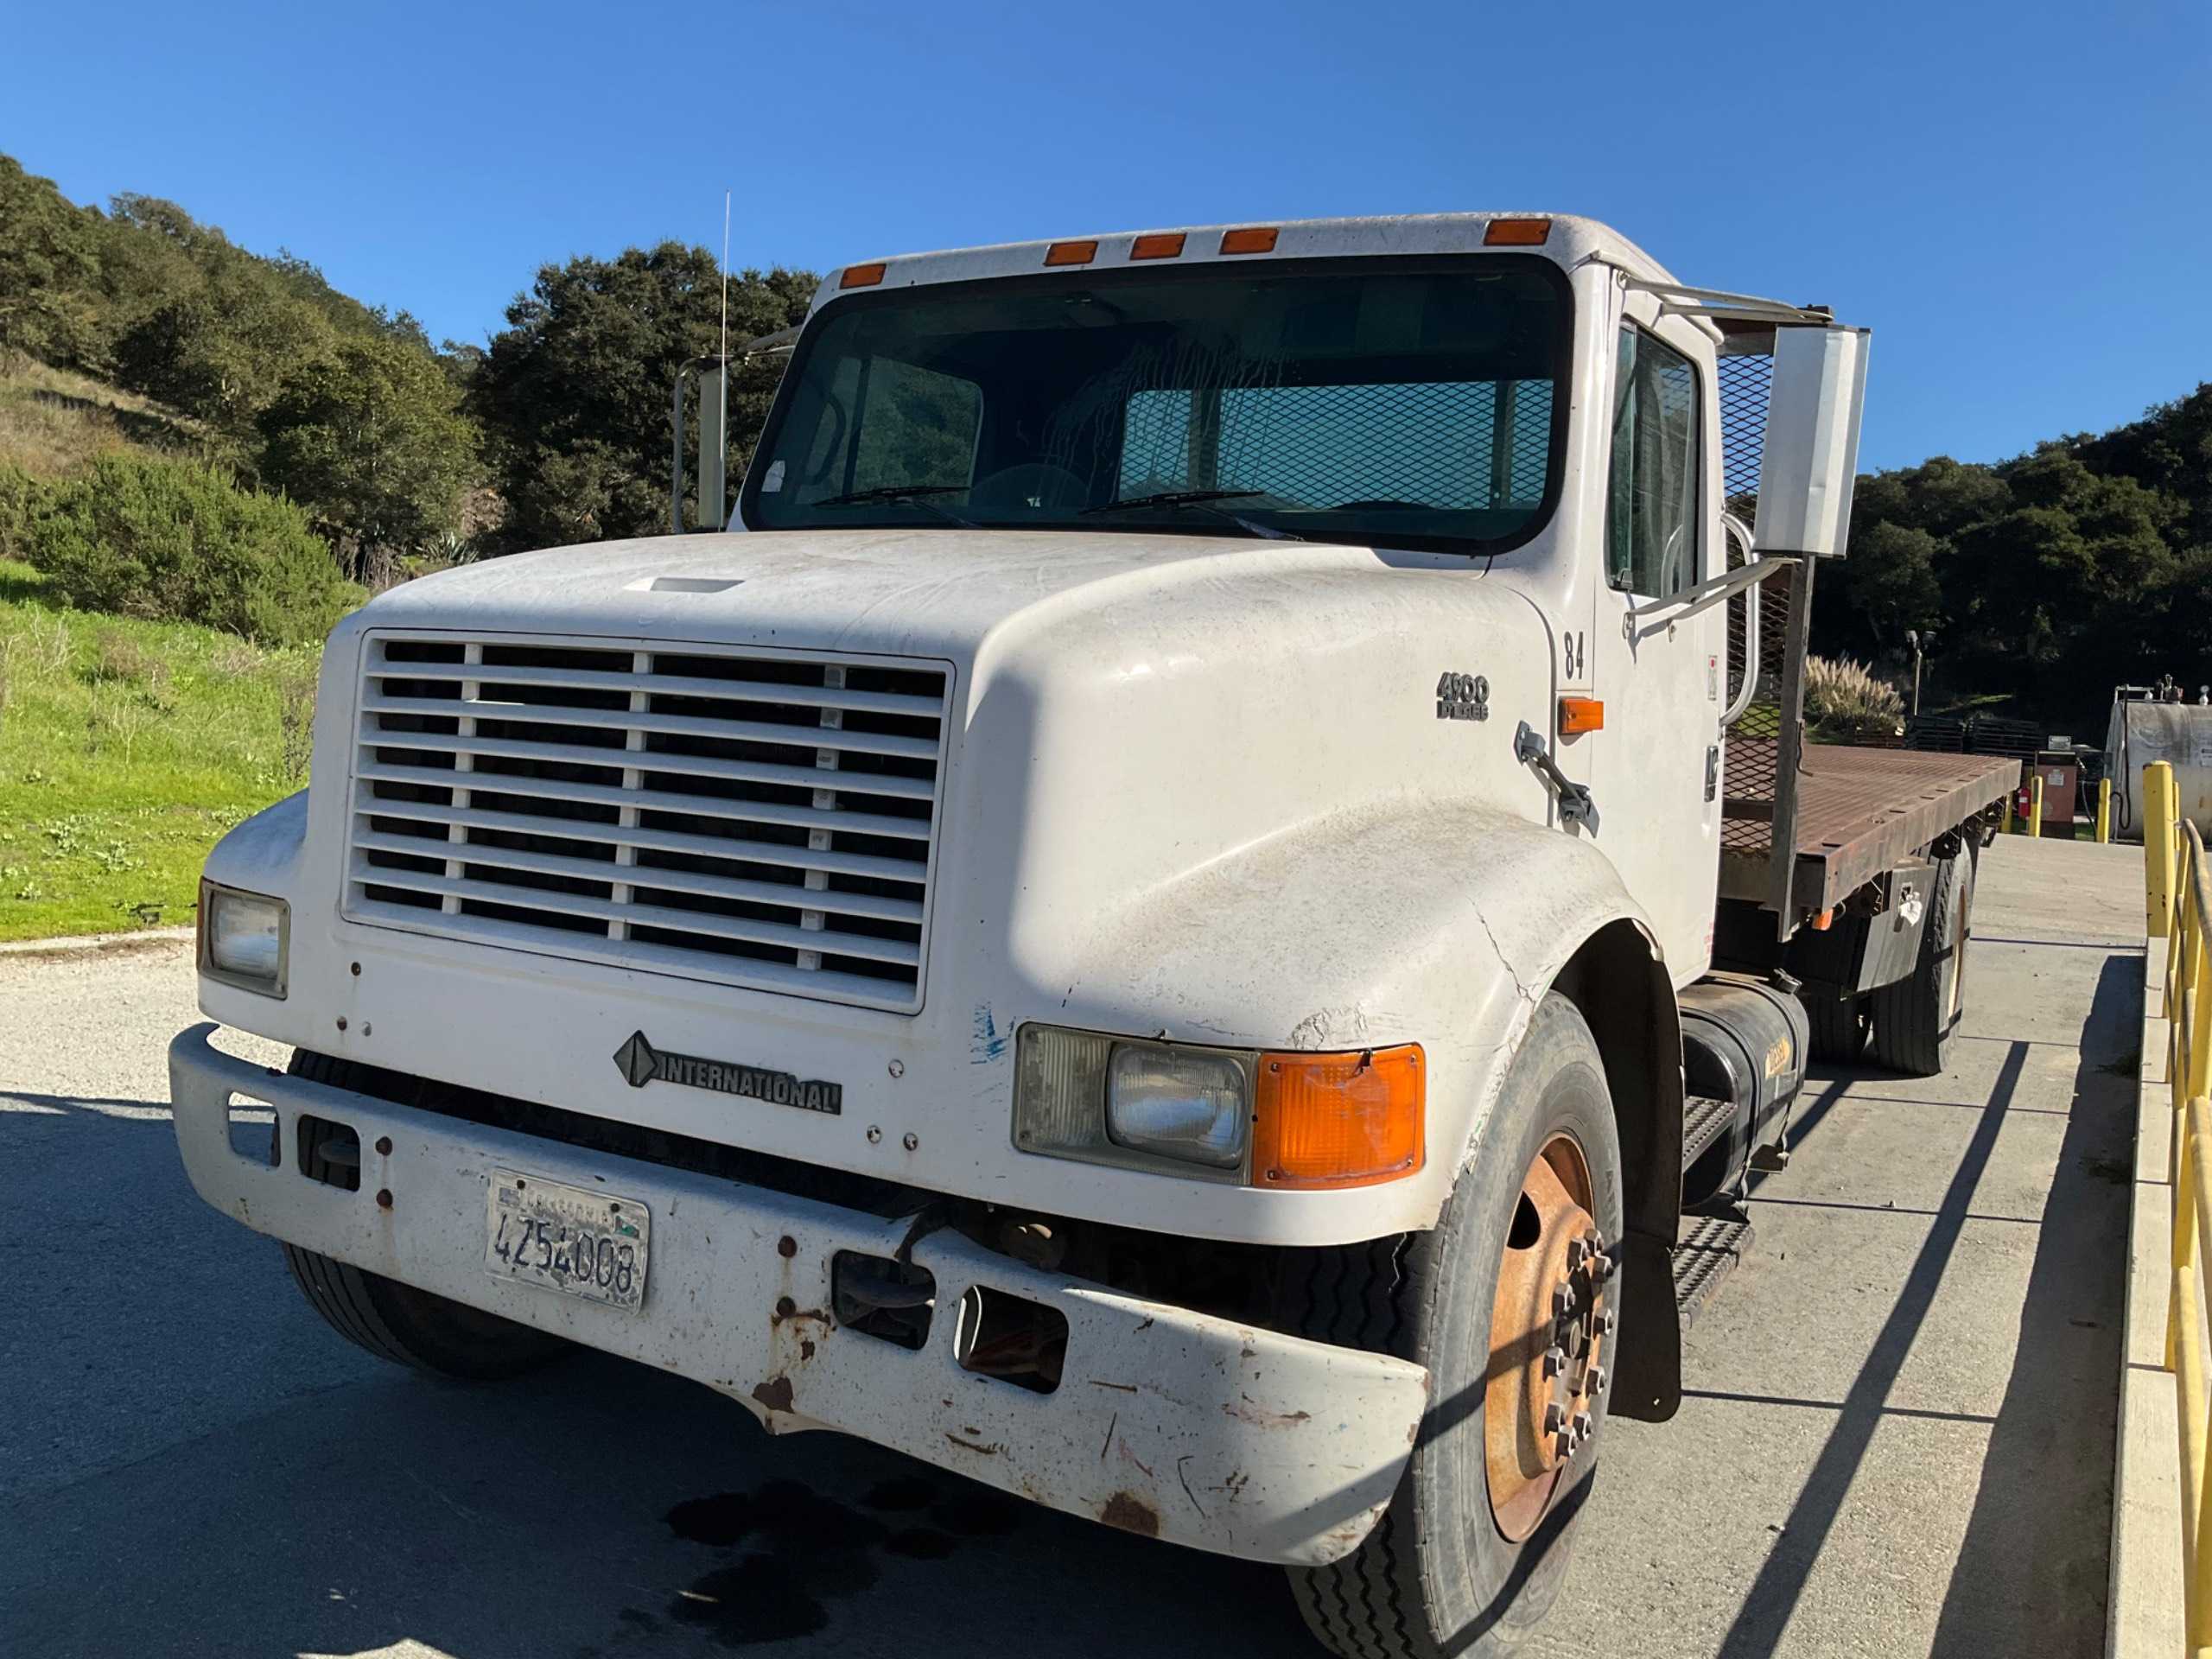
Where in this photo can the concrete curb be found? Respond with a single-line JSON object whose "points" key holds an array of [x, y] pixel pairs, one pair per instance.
{"points": [[144, 939], [2146, 1616]]}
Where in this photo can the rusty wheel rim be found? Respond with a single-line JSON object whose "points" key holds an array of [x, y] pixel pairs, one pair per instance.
{"points": [[1550, 1319]]}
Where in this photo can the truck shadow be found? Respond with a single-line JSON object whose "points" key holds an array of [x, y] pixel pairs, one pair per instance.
{"points": [[2031, 1570]]}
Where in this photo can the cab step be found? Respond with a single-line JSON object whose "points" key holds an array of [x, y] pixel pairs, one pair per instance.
{"points": [[1704, 1122], [1711, 1245]]}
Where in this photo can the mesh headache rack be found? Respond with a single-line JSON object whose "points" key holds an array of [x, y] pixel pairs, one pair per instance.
{"points": [[751, 817]]}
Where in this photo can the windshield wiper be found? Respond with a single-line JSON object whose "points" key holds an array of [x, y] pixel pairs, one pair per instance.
{"points": [[1203, 499], [905, 494]]}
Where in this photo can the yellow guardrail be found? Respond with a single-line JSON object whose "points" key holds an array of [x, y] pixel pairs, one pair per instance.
{"points": [[2178, 882]]}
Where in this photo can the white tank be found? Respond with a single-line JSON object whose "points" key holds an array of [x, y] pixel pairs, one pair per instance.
{"points": [[2143, 729]]}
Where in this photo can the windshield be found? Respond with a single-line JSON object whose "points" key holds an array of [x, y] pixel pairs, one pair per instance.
{"points": [[1408, 404]]}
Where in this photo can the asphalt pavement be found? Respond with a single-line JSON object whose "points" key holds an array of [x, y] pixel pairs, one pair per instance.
{"points": [[1897, 1438]]}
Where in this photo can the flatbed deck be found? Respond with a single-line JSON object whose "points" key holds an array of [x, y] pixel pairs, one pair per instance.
{"points": [[1858, 812]]}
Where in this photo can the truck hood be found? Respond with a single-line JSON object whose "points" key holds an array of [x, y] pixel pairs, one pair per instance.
{"points": [[922, 592]]}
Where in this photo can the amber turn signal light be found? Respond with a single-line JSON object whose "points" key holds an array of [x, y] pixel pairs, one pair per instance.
{"points": [[1257, 239], [1516, 232], [862, 275], [1157, 245], [1353, 1119], [1580, 714], [1071, 253]]}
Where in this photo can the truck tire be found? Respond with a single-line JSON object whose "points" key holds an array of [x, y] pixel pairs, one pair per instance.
{"points": [[1839, 1025], [1450, 1569], [1915, 1017], [398, 1322]]}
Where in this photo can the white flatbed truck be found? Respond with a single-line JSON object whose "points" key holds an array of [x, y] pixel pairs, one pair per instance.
{"points": [[1196, 913]]}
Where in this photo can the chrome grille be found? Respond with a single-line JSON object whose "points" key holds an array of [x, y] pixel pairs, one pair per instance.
{"points": [[755, 818]]}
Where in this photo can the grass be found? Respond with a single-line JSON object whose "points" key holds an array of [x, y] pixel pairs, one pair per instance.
{"points": [[126, 748], [54, 422]]}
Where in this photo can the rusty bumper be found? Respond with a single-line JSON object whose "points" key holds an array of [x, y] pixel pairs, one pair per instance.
{"points": [[1167, 1422]]}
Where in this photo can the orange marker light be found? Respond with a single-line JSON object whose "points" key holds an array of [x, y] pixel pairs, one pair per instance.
{"points": [[1580, 714], [1261, 240], [1157, 245], [1071, 253], [1516, 232], [862, 275], [1326, 1121]]}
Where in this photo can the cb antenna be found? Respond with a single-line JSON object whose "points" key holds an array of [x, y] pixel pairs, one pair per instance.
{"points": [[722, 379]]}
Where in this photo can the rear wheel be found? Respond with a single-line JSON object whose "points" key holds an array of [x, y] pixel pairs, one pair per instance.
{"points": [[398, 1322], [1508, 1301], [1840, 1025], [1915, 1017]]}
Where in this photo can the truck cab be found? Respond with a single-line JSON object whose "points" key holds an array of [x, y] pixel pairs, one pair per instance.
{"points": [[1145, 892]]}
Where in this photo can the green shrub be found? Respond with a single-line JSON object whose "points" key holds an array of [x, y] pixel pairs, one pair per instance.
{"points": [[16, 488], [172, 540]]}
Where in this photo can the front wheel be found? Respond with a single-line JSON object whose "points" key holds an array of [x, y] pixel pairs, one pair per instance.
{"points": [[398, 1322], [1509, 1302]]}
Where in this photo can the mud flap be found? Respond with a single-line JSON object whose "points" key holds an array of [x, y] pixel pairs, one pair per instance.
{"points": [[1648, 1382]]}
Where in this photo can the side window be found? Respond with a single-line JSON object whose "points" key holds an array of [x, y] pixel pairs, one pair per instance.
{"points": [[1651, 517], [913, 428]]}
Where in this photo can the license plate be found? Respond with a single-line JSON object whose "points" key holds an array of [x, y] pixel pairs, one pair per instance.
{"points": [[567, 1238]]}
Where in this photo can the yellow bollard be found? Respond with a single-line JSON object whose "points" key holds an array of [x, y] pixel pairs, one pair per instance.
{"points": [[2035, 806], [2008, 811], [2160, 823], [2104, 810]]}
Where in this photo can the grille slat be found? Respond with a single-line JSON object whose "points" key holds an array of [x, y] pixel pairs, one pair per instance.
{"points": [[638, 914], [616, 759], [665, 685], [592, 869], [759, 852], [757, 818], [538, 713], [646, 800]]}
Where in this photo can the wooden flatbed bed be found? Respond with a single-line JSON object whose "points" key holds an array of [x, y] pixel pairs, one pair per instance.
{"points": [[1859, 811]]}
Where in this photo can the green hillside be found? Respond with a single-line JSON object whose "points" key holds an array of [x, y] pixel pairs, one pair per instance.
{"points": [[126, 747]]}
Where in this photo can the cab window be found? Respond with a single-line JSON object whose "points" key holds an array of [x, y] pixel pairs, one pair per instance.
{"points": [[1651, 519]]}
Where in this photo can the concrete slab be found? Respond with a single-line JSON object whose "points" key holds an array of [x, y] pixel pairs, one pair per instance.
{"points": [[1902, 1427], [190, 1464]]}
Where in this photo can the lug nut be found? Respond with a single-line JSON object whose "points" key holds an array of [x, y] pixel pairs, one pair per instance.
{"points": [[1555, 1360], [1593, 1381], [1584, 1428], [1553, 1418], [1576, 1250], [1607, 1321], [1562, 1445], [1563, 1301]]}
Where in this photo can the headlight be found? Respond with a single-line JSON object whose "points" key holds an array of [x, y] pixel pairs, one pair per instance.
{"points": [[1285, 1120], [1143, 1105], [245, 938]]}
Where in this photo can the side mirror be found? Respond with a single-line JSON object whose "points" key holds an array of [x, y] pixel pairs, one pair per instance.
{"points": [[713, 485], [1809, 463]]}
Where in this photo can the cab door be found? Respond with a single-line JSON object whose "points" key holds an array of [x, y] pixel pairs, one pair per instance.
{"points": [[1654, 769]]}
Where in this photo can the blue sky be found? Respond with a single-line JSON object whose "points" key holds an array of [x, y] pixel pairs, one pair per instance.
{"points": [[2017, 198]]}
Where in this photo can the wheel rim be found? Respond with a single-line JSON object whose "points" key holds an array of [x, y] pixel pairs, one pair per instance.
{"points": [[1551, 1316]]}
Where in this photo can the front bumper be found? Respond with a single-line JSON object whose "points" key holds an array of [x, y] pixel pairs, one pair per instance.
{"points": [[1168, 1422]]}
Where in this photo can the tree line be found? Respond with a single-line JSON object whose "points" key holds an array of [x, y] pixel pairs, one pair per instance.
{"points": [[2045, 579], [556, 431]]}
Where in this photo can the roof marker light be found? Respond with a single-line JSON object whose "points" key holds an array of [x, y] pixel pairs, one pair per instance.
{"points": [[862, 275], [1071, 253], [1516, 232], [1257, 239], [1157, 245]]}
